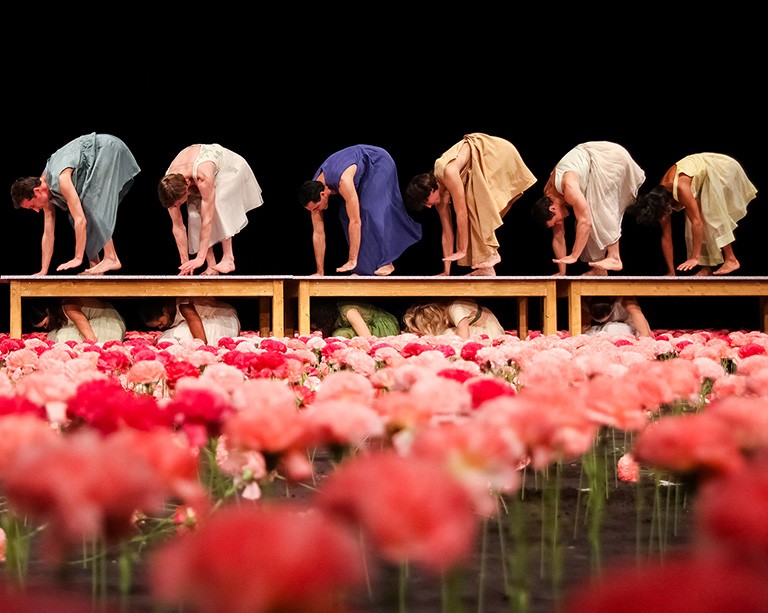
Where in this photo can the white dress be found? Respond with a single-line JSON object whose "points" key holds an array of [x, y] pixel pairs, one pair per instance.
{"points": [[618, 322], [106, 322], [237, 192], [609, 179], [219, 321]]}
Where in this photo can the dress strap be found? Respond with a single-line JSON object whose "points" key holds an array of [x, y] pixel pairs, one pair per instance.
{"points": [[477, 316]]}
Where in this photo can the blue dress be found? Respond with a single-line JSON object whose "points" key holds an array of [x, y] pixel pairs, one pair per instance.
{"points": [[387, 229], [103, 170]]}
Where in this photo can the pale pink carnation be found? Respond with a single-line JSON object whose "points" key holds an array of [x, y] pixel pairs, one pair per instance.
{"points": [[729, 385], [48, 390], [264, 394], [342, 421], [146, 371], [307, 356], [358, 360], [417, 512], [747, 418], [225, 376], [751, 364], [346, 385], [244, 466], [432, 360], [316, 342], [21, 362], [442, 396], [389, 355], [20, 432], [478, 454], [55, 357], [201, 358], [709, 368], [628, 469]]}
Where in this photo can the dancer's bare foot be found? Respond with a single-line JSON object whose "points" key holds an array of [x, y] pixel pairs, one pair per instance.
{"points": [[490, 271], [704, 271], [225, 266], [728, 266], [595, 272], [103, 266], [455, 256], [209, 272], [489, 262], [385, 270], [608, 264]]}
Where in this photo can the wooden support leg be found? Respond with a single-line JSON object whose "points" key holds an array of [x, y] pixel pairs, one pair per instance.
{"points": [[522, 316], [15, 323]]}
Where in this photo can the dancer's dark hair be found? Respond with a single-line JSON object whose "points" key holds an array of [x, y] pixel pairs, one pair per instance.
{"points": [[649, 208]]}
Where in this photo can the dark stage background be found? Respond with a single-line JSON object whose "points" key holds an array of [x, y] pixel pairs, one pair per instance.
{"points": [[287, 116]]}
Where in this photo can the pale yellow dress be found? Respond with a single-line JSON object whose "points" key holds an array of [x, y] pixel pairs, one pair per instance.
{"points": [[494, 175], [723, 191]]}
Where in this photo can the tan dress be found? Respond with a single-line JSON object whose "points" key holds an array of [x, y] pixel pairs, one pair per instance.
{"points": [[722, 191], [494, 176]]}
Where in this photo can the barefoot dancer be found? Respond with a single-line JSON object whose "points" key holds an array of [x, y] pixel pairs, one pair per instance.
{"points": [[88, 177], [598, 180], [219, 188], [482, 176], [376, 224], [714, 191]]}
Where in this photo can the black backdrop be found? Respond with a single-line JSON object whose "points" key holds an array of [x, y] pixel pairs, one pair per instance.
{"points": [[285, 117]]}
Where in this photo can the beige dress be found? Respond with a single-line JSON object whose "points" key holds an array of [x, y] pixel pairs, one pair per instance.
{"points": [[609, 179], [722, 191], [494, 176]]}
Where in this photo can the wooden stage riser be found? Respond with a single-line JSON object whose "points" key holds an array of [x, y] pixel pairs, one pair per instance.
{"points": [[274, 291], [269, 291]]}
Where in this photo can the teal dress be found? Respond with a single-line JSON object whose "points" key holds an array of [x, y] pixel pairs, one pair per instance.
{"points": [[379, 322], [103, 170]]}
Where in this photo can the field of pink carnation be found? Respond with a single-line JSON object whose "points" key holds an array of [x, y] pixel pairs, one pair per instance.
{"points": [[410, 474]]}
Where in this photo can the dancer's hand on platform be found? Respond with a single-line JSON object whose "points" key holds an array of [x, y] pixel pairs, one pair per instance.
{"points": [[73, 263], [689, 264], [188, 268]]}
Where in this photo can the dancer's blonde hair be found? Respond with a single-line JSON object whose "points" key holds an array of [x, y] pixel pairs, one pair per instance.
{"points": [[431, 318]]}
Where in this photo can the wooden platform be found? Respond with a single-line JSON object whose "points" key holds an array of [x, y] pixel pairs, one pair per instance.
{"points": [[586, 285], [269, 289], [521, 288], [276, 293]]}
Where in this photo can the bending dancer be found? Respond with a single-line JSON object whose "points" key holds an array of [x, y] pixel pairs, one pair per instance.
{"points": [[350, 319], [183, 319], [88, 177], [482, 176], [464, 318], [78, 319], [377, 226], [598, 180], [714, 192], [219, 188], [620, 315]]}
